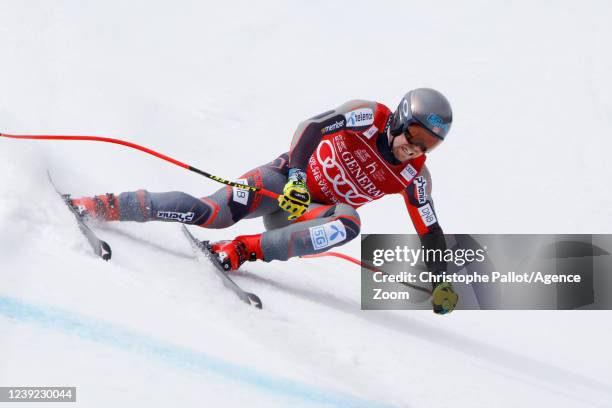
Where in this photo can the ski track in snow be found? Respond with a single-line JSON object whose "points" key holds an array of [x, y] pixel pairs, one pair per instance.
{"points": [[55, 319]]}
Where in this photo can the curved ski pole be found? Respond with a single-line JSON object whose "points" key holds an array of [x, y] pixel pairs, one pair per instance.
{"points": [[363, 265], [162, 156]]}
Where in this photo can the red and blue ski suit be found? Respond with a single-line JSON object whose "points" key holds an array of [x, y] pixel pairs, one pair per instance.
{"points": [[348, 160]]}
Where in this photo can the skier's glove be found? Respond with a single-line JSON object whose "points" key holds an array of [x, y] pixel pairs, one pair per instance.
{"points": [[295, 198], [444, 299]]}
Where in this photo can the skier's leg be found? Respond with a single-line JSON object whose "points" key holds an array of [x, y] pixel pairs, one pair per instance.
{"points": [[143, 206], [230, 205], [321, 228], [219, 210]]}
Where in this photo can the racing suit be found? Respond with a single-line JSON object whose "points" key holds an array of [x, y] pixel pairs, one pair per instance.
{"points": [[348, 160]]}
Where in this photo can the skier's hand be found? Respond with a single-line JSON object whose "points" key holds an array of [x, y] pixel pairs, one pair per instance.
{"points": [[444, 299], [296, 197]]}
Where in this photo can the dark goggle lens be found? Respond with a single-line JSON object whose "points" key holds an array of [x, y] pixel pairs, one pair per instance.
{"points": [[421, 137]]}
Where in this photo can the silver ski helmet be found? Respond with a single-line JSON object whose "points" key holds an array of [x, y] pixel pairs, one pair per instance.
{"points": [[426, 107]]}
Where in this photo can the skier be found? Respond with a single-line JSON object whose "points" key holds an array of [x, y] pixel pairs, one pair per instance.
{"points": [[338, 161]]}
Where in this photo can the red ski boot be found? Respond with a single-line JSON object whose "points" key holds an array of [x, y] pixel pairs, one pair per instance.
{"points": [[232, 254], [103, 207]]}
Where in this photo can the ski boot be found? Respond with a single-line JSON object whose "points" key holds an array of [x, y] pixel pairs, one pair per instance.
{"points": [[232, 254], [102, 207]]}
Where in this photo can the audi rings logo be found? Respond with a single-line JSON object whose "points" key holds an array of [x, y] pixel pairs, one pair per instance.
{"points": [[336, 175]]}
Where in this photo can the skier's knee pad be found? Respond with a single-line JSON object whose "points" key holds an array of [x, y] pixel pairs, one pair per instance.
{"points": [[349, 217], [275, 220]]}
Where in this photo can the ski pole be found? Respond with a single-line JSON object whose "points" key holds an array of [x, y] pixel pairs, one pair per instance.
{"points": [[263, 191], [363, 265]]}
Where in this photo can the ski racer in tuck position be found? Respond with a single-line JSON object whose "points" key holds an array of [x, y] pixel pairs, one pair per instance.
{"points": [[338, 161]]}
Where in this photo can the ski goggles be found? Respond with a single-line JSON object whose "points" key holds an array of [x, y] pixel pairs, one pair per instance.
{"points": [[421, 137], [418, 135]]}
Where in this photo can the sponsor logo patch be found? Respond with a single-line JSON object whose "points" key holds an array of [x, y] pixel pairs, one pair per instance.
{"points": [[421, 189], [409, 172], [406, 108], [345, 175], [370, 132], [328, 234], [359, 117], [437, 123], [176, 216], [333, 127], [427, 215], [362, 155], [240, 195]]}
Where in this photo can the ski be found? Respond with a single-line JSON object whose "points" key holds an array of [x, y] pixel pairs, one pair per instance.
{"points": [[204, 248], [100, 247]]}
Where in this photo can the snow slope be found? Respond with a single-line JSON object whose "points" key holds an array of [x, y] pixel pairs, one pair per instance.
{"points": [[222, 86]]}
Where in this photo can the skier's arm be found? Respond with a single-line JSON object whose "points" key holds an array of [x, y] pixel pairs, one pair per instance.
{"points": [[419, 203], [310, 132], [296, 197], [420, 207]]}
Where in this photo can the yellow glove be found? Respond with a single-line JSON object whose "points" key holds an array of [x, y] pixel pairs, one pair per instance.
{"points": [[296, 197], [443, 298]]}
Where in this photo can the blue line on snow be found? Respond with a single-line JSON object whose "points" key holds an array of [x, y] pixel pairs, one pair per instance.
{"points": [[119, 337]]}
